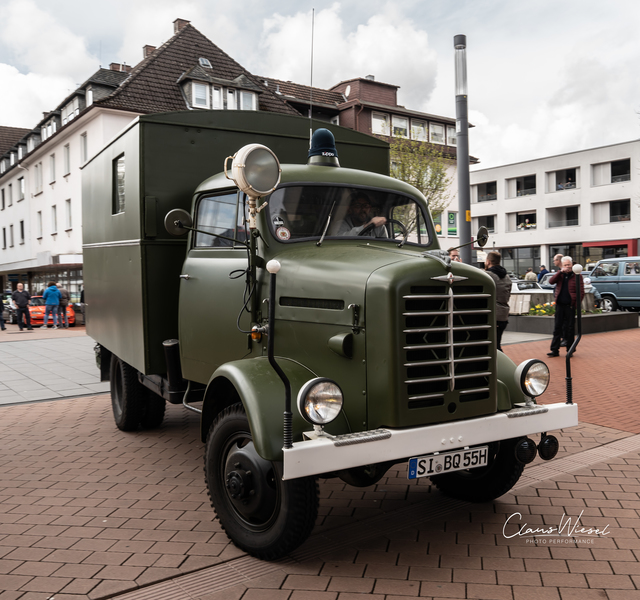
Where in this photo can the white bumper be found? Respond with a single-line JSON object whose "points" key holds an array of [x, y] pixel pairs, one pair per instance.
{"points": [[323, 454]]}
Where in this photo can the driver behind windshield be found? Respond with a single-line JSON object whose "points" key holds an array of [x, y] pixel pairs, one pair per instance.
{"points": [[359, 216]]}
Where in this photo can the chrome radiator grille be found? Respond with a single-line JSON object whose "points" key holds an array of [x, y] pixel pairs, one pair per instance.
{"points": [[448, 345]]}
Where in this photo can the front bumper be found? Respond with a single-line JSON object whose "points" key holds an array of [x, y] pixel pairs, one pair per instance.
{"points": [[323, 453]]}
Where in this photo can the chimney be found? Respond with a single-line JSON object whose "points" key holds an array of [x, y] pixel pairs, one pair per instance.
{"points": [[371, 77], [179, 24], [120, 67], [147, 50]]}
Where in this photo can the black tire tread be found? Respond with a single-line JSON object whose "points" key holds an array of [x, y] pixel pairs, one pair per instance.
{"points": [[133, 395], [300, 517]]}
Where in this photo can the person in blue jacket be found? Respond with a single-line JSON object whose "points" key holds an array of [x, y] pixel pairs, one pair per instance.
{"points": [[52, 301]]}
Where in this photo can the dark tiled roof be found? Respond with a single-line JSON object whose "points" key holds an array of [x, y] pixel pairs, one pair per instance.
{"points": [[302, 93], [107, 77], [10, 136], [152, 85]]}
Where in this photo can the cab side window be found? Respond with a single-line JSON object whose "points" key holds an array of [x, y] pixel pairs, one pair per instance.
{"points": [[632, 269], [606, 270], [219, 215]]}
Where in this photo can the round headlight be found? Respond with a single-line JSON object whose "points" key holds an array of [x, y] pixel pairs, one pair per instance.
{"points": [[255, 169], [533, 377], [320, 401]]}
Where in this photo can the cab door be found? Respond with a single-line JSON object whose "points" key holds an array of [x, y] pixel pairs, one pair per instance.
{"points": [[212, 288]]}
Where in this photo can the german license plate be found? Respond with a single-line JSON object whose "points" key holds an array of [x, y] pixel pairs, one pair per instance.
{"points": [[447, 462]]}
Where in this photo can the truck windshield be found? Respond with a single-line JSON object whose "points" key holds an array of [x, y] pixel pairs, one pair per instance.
{"points": [[307, 212]]}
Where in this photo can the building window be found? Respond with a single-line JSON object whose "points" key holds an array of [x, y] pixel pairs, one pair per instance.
{"points": [[52, 168], [231, 100], [204, 62], [418, 131], [10, 195], [489, 222], [2, 199], [565, 216], [10, 236], [70, 111], [619, 210], [20, 189], [3, 165], [526, 220], [564, 180], [521, 186], [487, 191], [12, 159], [67, 159], [31, 144], [216, 98], [436, 133], [39, 223], [118, 185], [452, 224], [400, 127], [200, 95], [620, 170], [67, 214], [380, 124], [247, 100], [22, 232], [89, 96], [84, 148], [437, 223], [4, 238], [38, 178], [54, 219], [452, 136]]}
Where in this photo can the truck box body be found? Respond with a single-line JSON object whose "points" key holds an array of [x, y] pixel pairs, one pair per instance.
{"points": [[132, 265]]}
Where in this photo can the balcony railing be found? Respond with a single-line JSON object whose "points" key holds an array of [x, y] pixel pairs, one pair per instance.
{"points": [[526, 226], [568, 185], [487, 197], [565, 223], [619, 178], [616, 218], [528, 192]]}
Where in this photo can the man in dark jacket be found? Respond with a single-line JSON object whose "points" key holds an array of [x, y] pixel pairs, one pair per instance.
{"points": [[503, 292], [566, 301], [21, 299], [543, 272]]}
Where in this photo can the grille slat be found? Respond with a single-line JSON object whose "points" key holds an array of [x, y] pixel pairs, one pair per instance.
{"points": [[448, 346]]}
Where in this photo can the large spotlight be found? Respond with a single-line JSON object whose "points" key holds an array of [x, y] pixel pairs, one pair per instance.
{"points": [[255, 170]]}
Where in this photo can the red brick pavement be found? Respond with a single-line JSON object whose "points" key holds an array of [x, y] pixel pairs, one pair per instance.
{"points": [[89, 512], [605, 371]]}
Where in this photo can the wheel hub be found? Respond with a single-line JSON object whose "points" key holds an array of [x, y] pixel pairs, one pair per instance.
{"points": [[240, 484]]}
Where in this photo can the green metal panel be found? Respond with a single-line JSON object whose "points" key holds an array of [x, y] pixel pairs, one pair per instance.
{"points": [[166, 157]]}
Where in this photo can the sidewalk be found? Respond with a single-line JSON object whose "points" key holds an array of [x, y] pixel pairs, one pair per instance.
{"points": [[89, 512]]}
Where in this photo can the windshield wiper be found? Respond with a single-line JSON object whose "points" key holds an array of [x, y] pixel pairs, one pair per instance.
{"points": [[319, 242]]}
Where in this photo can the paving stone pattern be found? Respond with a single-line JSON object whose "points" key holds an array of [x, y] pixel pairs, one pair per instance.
{"points": [[89, 512]]}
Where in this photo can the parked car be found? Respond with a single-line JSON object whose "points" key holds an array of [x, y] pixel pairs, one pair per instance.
{"points": [[544, 283], [618, 280], [521, 286], [37, 308]]}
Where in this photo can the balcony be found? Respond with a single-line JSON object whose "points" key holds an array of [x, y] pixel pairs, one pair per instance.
{"points": [[565, 223], [487, 197], [617, 218], [526, 226], [620, 178], [527, 192]]}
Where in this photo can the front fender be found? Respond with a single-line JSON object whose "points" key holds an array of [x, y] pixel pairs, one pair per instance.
{"points": [[262, 393], [509, 391]]}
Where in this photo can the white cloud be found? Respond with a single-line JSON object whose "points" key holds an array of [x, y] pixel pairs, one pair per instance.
{"points": [[379, 47]]}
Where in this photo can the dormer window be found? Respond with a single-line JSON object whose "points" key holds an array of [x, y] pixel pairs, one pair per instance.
{"points": [[70, 111], [247, 101], [20, 152], [204, 62], [200, 95]]}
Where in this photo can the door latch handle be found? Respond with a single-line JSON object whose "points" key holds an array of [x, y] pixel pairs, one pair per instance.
{"points": [[186, 276]]}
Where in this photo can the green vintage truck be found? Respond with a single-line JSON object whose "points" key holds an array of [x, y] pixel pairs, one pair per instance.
{"points": [[305, 310]]}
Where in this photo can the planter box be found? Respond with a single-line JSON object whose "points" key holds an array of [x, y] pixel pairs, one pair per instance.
{"points": [[590, 323]]}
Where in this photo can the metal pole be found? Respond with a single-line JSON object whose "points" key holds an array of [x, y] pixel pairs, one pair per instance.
{"points": [[462, 144]]}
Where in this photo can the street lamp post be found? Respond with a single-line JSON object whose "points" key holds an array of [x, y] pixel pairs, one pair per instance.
{"points": [[462, 145]]}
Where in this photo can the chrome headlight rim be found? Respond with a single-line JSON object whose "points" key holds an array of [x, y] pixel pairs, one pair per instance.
{"points": [[522, 373], [304, 395]]}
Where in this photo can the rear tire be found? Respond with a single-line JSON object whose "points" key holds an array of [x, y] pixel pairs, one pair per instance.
{"points": [[128, 395], [484, 483], [262, 514]]}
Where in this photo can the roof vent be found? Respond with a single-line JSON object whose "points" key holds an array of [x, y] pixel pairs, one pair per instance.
{"points": [[179, 24], [371, 77]]}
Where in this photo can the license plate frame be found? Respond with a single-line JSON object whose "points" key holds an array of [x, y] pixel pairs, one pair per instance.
{"points": [[448, 462]]}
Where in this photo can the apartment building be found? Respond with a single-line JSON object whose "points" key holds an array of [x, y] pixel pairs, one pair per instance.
{"points": [[583, 204]]}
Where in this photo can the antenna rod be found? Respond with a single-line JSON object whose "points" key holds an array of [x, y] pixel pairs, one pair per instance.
{"points": [[313, 26]]}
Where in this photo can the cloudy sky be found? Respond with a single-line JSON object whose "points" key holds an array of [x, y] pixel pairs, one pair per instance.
{"points": [[545, 77]]}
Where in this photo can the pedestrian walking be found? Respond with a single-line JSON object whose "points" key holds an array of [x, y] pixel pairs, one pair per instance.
{"points": [[21, 299], [566, 295], [65, 297], [52, 302], [503, 292]]}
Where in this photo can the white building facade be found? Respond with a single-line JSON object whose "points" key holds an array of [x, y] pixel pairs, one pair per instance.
{"points": [[582, 204]]}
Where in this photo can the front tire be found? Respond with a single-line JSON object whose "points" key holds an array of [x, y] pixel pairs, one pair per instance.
{"points": [[484, 483], [609, 304], [262, 514]]}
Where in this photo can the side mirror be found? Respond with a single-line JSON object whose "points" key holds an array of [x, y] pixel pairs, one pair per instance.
{"points": [[178, 221], [483, 237]]}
